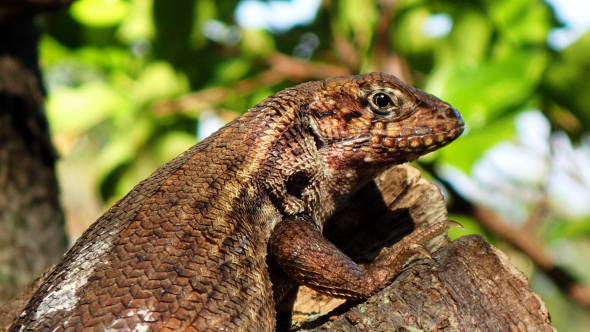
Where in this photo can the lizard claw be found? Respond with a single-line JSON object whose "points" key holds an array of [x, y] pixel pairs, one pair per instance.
{"points": [[420, 249], [453, 223]]}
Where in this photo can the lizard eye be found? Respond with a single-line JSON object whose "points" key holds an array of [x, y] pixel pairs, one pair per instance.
{"points": [[382, 104], [382, 100]]}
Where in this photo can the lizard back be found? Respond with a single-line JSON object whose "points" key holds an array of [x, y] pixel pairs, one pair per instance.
{"points": [[186, 249], [187, 246]]}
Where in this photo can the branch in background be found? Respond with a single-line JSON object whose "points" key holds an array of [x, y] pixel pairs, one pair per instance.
{"points": [[522, 239], [299, 70], [282, 67], [384, 58], [346, 52], [530, 245]]}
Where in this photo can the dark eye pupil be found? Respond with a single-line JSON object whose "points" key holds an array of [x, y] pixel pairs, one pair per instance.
{"points": [[382, 100]]}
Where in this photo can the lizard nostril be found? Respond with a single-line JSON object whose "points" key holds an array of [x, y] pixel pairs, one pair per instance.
{"points": [[451, 112]]}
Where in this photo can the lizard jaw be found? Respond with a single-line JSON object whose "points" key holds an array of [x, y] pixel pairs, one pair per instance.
{"points": [[396, 149], [429, 140]]}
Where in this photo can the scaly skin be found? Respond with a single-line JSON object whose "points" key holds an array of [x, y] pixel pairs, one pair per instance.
{"points": [[186, 249]]}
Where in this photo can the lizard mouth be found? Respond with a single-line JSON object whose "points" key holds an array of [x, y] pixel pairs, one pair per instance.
{"points": [[420, 138]]}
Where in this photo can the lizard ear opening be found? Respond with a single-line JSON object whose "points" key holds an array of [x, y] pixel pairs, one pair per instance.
{"points": [[317, 140]]}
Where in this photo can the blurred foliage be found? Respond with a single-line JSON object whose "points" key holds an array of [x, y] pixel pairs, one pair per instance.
{"points": [[128, 81]]}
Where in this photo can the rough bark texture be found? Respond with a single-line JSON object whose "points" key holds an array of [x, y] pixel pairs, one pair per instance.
{"points": [[469, 286], [32, 234]]}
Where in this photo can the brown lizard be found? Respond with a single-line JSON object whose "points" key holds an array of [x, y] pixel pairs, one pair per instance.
{"points": [[189, 247]]}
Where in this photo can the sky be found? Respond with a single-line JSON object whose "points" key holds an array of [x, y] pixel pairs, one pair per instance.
{"points": [[575, 14], [275, 15]]}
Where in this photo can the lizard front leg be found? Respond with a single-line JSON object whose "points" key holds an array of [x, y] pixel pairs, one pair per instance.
{"points": [[306, 256]]}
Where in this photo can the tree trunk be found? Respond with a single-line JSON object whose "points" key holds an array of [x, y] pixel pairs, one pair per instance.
{"points": [[32, 234]]}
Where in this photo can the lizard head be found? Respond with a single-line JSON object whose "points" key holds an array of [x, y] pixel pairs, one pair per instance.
{"points": [[377, 119]]}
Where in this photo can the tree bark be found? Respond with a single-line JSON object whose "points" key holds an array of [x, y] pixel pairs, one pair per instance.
{"points": [[32, 233], [468, 285]]}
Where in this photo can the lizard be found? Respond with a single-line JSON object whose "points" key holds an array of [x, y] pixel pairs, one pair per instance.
{"points": [[193, 246]]}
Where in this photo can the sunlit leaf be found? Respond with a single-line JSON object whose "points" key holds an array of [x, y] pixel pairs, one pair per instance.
{"points": [[472, 145], [105, 58], [123, 146], [469, 39], [159, 80], [72, 111], [356, 21], [257, 42], [99, 13], [204, 10], [232, 70], [571, 229], [566, 80], [172, 144], [138, 23], [408, 37], [522, 21], [51, 51], [483, 91]]}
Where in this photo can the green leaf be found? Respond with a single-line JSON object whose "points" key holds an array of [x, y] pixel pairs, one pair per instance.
{"points": [[123, 146], [467, 149], [571, 229], [231, 71], [355, 21], [407, 36], [257, 43], [522, 22], [72, 111], [104, 58], [51, 51], [99, 13], [469, 39], [158, 81], [566, 80], [138, 23], [172, 144], [484, 91]]}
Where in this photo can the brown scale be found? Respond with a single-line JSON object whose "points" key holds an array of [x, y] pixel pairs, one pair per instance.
{"points": [[186, 249]]}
